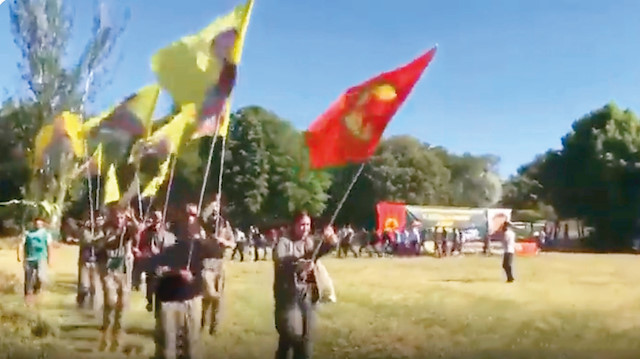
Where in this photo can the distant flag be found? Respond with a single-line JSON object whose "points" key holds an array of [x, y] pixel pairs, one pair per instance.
{"points": [[111, 187], [64, 135], [131, 117], [202, 68], [350, 130]]}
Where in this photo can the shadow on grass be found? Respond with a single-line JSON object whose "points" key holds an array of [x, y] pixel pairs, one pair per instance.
{"points": [[68, 328], [145, 332]]}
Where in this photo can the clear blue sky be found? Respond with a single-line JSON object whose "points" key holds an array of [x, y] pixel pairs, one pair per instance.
{"points": [[509, 78]]}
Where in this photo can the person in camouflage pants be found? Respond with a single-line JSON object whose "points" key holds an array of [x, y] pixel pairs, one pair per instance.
{"points": [[115, 250], [213, 275], [89, 284]]}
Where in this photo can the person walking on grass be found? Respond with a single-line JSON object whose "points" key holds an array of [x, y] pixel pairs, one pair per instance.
{"points": [[35, 250], [114, 252], [509, 243], [179, 290], [295, 287]]}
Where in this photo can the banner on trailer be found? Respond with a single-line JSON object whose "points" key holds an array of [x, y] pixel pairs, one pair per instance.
{"points": [[449, 217]]}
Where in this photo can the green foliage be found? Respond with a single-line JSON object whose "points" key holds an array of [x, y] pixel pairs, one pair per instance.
{"points": [[474, 179], [595, 175], [42, 32], [266, 173], [403, 169]]}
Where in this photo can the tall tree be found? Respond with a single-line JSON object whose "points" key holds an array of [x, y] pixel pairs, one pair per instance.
{"points": [[403, 169], [266, 175], [594, 176], [42, 32], [474, 179]]}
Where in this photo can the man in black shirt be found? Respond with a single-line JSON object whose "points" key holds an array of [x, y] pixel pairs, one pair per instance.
{"points": [[179, 293]]}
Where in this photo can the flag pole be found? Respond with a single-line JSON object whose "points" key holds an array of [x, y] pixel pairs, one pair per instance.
{"points": [[207, 169], [169, 185], [98, 179], [219, 194], [204, 184], [85, 94], [140, 213], [86, 150], [340, 204]]}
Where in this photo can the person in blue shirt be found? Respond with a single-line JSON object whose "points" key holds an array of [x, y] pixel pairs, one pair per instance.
{"points": [[35, 251]]}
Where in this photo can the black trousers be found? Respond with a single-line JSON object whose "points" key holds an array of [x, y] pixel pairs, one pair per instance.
{"points": [[507, 265], [238, 249]]}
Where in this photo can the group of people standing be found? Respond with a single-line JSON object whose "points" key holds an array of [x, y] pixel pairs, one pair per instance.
{"points": [[183, 264]]}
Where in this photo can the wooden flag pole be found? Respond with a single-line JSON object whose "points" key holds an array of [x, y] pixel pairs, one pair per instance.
{"points": [[93, 221], [207, 169], [340, 204], [219, 194], [204, 184], [98, 179], [169, 185], [85, 94]]}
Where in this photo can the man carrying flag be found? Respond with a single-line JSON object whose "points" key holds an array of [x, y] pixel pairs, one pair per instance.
{"points": [[350, 130]]}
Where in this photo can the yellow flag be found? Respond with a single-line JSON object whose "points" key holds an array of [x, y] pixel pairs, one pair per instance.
{"points": [[111, 188], [188, 69], [94, 121], [42, 141], [65, 126], [152, 187], [174, 130], [133, 115], [73, 130], [237, 56]]}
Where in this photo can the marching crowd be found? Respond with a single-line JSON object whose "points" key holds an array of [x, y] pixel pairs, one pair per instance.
{"points": [[182, 263]]}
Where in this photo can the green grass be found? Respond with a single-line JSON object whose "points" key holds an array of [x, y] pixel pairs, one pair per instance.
{"points": [[562, 306]]}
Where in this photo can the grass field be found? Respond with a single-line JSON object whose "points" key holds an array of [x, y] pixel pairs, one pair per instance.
{"points": [[562, 306]]}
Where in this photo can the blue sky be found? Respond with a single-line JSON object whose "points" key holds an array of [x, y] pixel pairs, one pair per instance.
{"points": [[509, 78]]}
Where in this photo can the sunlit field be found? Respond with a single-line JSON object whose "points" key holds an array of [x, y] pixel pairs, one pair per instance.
{"points": [[561, 306]]}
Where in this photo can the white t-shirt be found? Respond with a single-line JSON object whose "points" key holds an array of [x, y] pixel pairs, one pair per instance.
{"points": [[509, 241]]}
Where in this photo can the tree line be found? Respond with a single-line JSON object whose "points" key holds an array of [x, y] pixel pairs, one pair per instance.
{"points": [[594, 178]]}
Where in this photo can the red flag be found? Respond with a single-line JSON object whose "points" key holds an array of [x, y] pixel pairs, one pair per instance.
{"points": [[350, 129], [391, 216]]}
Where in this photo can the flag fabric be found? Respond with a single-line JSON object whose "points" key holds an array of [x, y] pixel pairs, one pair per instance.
{"points": [[64, 135], [201, 68], [391, 216], [132, 117], [153, 186], [111, 187], [350, 130], [167, 139]]}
